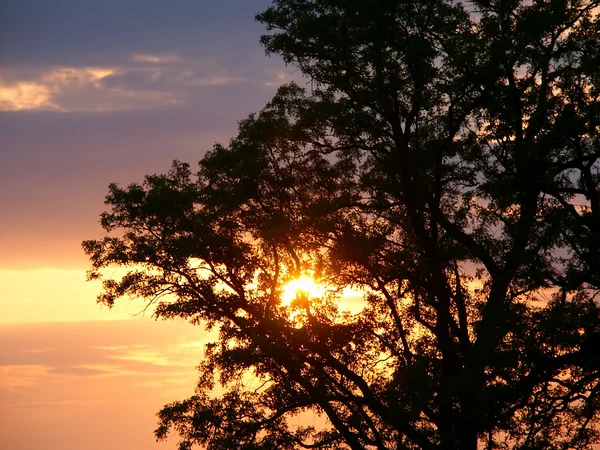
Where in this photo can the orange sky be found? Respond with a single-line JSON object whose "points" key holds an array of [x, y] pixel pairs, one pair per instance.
{"points": [[76, 375], [93, 385]]}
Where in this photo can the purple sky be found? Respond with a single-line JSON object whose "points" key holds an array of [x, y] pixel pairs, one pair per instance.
{"points": [[93, 92]]}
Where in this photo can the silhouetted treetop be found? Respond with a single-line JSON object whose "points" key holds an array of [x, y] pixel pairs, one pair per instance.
{"points": [[444, 161]]}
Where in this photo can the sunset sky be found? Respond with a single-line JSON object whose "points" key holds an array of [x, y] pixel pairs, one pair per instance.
{"points": [[93, 92]]}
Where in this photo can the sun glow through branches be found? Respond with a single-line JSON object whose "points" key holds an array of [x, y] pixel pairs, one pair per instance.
{"points": [[303, 285]]}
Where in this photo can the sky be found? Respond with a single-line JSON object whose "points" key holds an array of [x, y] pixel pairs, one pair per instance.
{"points": [[94, 92]]}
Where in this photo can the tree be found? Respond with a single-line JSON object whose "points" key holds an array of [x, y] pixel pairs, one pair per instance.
{"points": [[445, 161]]}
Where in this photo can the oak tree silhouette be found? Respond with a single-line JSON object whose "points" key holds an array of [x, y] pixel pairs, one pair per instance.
{"points": [[444, 161]]}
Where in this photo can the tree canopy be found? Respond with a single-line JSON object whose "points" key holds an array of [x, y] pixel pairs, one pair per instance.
{"points": [[444, 161]]}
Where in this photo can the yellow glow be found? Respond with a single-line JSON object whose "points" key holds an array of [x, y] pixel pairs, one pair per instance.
{"points": [[303, 285], [25, 95], [58, 295], [41, 94]]}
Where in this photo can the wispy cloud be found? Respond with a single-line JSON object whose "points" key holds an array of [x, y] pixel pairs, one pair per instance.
{"points": [[25, 364], [42, 93], [39, 350], [155, 59], [276, 77], [214, 80], [22, 376], [86, 380], [150, 357], [142, 82]]}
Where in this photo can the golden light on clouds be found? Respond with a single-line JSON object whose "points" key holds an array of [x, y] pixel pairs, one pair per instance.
{"points": [[66, 76], [40, 94], [24, 95], [120, 87], [155, 59]]}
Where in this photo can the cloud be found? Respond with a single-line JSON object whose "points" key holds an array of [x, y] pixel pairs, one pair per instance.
{"points": [[152, 357], [165, 80], [97, 370], [40, 350], [69, 76], [136, 81], [77, 395], [155, 59], [41, 94], [215, 80], [181, 354], [25, 95], [275, 77], [133, 349], [181, 79], [20, 376]]}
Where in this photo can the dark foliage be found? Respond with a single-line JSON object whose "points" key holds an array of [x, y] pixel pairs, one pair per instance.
{"points": [[444, 160]]}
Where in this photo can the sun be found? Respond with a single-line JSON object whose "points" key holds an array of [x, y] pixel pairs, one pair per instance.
{"points": [[303, 285]]}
